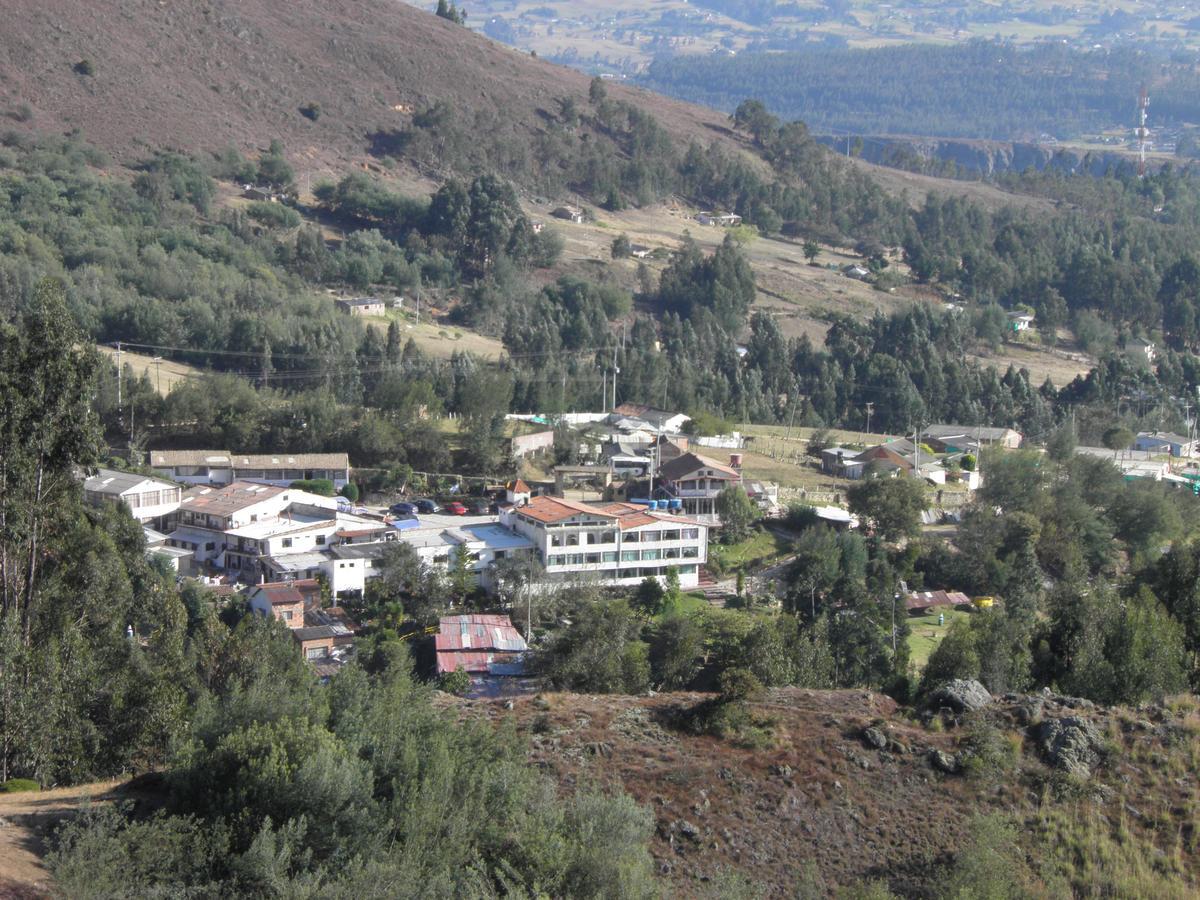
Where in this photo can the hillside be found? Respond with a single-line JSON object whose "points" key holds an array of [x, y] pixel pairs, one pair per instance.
{"points": [[823, 806], [237, 72], [848, 792]]}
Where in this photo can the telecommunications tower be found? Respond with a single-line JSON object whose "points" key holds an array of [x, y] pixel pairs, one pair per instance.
{"points": [[1143, 133]]}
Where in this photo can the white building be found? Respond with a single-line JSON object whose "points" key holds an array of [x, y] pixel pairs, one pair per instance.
{"points": [[347, 566], [193, 466], [221, 467], [148, 499], [697, 481], [234, 527], [615, 543]]}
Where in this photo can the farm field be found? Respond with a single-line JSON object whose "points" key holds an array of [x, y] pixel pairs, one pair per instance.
{"points": [[164, 374]]}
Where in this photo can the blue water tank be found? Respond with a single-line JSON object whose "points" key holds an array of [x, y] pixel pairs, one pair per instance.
{"points": [[676, 504], [641, 501]]}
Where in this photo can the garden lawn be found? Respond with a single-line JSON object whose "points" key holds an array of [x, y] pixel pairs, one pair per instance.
{"points": [[927, 634]]}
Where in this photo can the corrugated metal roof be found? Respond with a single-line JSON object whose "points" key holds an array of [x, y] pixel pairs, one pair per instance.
{"points": [[481, 662], [479, 632]]}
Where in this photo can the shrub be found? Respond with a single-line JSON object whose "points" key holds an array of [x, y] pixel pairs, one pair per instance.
{"points": [[311, 111], [350, 492], [273, 215], [19, 785], [740, 685], [84, 67], [322, 486], [457, 682]]}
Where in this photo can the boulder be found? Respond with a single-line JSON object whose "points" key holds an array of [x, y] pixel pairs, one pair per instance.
{"points": [[962, 695], [873, 737], [943, 761], [1072, 744]]}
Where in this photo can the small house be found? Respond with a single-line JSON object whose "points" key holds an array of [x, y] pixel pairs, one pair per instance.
{"points": [[1019, 321], [1165, 442], [569, 213], [517, 492], [363, 306], [857, 272]]}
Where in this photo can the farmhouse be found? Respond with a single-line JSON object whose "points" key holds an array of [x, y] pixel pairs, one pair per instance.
{"points": [[363, 306]]}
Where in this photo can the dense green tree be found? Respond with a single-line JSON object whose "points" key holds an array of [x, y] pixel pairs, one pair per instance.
{"points": [[892, 506]]}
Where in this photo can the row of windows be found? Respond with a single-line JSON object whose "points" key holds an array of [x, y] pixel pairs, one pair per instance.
{"points": [[583, 538], [591, 559]]}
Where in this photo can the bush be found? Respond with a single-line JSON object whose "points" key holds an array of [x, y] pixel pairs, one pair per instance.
{"points": [[457, 682], [322, 486], [311, 111], [84, 67], [350, 492], [19, 785], [273, 215]]}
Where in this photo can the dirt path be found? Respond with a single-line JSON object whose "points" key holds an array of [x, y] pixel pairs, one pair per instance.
{"points": [[25, 822]]}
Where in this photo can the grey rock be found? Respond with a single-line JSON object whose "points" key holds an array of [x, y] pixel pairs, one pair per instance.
{"points": [[1030, 710], [1072, 744], [962, 695], [873, 737], [599, 748], [688, 830], [897, 747], [943, 761]]}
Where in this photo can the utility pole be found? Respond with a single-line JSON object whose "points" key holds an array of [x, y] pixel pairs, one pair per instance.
{"points": [[870, 409], [604, 390], [157, 374], [616, 371]]}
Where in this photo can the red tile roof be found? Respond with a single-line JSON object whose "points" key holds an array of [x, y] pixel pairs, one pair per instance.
{"points": [[281, 593], [519, 487]]}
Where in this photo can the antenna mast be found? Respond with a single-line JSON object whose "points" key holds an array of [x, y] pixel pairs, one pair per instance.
{"points": [[1143, 133]]}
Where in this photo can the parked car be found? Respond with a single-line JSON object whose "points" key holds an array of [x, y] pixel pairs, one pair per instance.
{"points": [[426, 507], [455, 508], [403, 509], [479, 506], [360, 511]]}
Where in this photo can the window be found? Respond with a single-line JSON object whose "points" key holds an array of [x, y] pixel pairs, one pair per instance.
{"points": [[670, 535], [575, 559], [687, 570], [690, 534], [608, 537], [609, 557], [573, 539], [316, 653], [691, 552], [629, 556], [651, 554], [593, 559], [631, 538], [211, 545], [671, 553], [556, 540], [287, 542], [320, 540], [287, 615], [499, 554], [651, 535]]}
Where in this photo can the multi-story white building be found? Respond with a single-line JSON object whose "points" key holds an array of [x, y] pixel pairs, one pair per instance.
{"points": [[238, 526], [697, 481], [615, 543]]}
